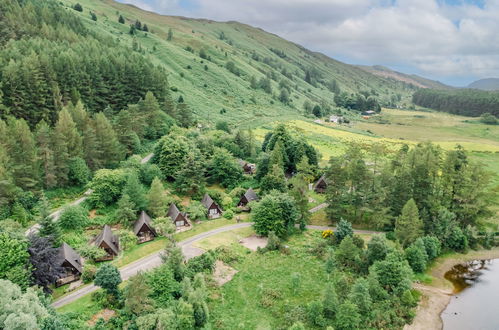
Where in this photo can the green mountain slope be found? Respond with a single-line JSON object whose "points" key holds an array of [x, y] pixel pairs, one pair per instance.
{"points": [[216, 93], [413, 79]]}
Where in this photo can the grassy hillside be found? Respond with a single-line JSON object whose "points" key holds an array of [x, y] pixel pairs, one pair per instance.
{"points": [[413, 79], [209, 87]]}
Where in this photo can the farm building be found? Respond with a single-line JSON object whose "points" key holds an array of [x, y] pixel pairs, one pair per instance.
{"points": [[143, 228], [335, 119], [214, 211], [71, 263], [321, 185], [107, 241], [248, 168], [249, 196], [178, 218]]}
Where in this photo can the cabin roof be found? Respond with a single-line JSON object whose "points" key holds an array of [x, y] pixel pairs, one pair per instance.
{"points": [[207, 201], [144, 219], [173, 211], [67, 253], [107, 236], [322, 179], [250, 195]]}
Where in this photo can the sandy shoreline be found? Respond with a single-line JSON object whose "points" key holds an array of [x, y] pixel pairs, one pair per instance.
{"points": [[437, 295]]}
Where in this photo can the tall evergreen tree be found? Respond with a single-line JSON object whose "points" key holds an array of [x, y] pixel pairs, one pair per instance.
{"points": [[48, 227], [135, 190], [157, 200], [22, 153], [126, 211], [190, 179], [110, 150], [44, 140], [66, 129], [409, 226]]}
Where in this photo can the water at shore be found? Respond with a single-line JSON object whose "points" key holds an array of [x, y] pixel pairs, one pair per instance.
{"points": [[474, 306]]}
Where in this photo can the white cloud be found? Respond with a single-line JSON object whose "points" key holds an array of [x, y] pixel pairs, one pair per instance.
{"points": [[441, 40]]}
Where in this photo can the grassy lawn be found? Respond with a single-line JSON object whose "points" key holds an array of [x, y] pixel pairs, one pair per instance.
{"points": [[226, 238], [205, 225], [84, 306], [140, 251]]}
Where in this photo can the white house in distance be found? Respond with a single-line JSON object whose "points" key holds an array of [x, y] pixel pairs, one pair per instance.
{"points": [[335, 119]]}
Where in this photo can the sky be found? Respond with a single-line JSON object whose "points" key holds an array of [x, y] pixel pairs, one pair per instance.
{"points": [[453, 41]]}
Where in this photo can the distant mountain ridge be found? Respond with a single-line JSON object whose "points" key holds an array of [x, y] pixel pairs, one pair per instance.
{"points": [[413, 79], [487, 84]]}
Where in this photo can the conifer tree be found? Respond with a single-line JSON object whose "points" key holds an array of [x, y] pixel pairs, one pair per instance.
{"points": [[135, 190], [66, 129], [170, 35], [48, 227], [277, 156], [22, 153], [157, 200], [184, 115], [43, 137], [190, 179], [127, 136], [274, 179], [126, 211], [109, 149], [121, 19], [408, 226]]}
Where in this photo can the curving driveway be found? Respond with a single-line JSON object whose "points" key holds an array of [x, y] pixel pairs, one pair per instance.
{"points": [[154, 260]]}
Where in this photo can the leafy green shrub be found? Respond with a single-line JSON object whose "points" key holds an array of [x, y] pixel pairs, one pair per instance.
{"points": [[315, 314], [73, 217], [432, 246], [107, 186], [91, 252], [228, 254], [273, 242], [79, 173], [163, 285], [229, 214], [108, 277], [88, 274], [202, 263], [416, 256], [148, 172], [196, 211], [127, 239]]}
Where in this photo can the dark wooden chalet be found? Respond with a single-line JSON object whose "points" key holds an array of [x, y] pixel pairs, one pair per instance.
{"points": [[249, 196], [143, 229], [178, 218], [71, 263], [214, 211], [107, 241], [248, 168], [321, 185]]}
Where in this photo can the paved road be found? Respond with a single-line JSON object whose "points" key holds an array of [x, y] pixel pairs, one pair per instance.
{"points": [[55, 215], [146, 158], [318, 207], [154, 260], [149, 262]]}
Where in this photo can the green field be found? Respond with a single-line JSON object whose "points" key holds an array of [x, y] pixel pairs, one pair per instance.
{"points": [[262, 295]]}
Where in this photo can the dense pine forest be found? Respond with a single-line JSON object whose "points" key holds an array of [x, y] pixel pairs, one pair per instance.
{"points": [[466, 102]]}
